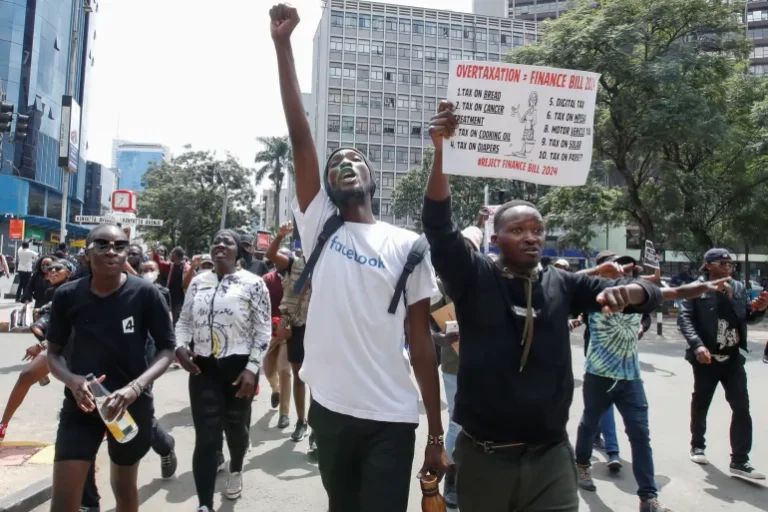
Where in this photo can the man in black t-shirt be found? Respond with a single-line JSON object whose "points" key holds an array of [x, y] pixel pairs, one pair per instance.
{"points": [[107, 320], [253, 263]]}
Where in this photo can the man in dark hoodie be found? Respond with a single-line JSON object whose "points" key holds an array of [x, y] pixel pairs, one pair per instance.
{"points": [[715, 327], [515, 382]]}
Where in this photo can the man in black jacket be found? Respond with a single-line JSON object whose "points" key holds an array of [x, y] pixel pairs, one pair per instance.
{"points": [[515, 381], [715, 327]]}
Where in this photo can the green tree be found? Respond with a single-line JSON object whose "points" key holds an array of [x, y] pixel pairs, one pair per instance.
{"points": [[187, 194], [277, 160], [467, 193], [664, 67]]}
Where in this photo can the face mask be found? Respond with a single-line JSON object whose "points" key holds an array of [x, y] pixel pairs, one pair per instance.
{"points": [[150, 276]]}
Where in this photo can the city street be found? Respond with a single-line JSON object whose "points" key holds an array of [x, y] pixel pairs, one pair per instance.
{"points": [[279, 476]]}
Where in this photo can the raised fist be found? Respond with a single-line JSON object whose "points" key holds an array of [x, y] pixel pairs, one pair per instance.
{"points": [[284, 19], [286, 229]]}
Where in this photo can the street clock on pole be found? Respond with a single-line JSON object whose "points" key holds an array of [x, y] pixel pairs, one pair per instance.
{"points": [[124, 201]]}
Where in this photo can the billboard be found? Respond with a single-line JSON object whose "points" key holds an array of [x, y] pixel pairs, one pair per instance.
{"points": [[69, 135], [16, 229]]}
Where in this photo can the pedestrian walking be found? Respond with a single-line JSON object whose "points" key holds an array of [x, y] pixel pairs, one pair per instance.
{"points": [[365, 407], [515, 380], [38, 284], [715, 327], [107, 319], [175, 269], [25, 259], [227, 314]]}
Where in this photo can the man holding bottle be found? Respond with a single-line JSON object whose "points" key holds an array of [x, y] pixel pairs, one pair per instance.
{"points": [[107, 319]]}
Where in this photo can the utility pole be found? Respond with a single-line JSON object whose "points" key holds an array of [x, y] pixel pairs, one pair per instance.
{"points": [[71, 90]]}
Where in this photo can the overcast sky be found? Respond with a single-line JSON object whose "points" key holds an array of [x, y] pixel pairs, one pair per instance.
{"points": [[196, 72]]}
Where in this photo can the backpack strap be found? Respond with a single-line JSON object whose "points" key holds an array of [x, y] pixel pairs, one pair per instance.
{"points": [[418, 250], [331, 225]]}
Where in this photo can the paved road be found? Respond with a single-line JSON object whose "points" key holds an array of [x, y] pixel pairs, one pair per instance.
{"points": [[279, 476]]}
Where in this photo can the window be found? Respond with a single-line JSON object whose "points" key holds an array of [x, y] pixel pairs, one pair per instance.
{"points": [[348, 97], [36, 205], [389, 127], [418, 27], [402, 101], [390, 50], [456, 32], [442, 80], [351, 20], [378, 23], [389, 101], [334, 96], [455, 54], [386, 208], [430, 28], [757, 16], [417, 52], [402, 128], [416, 130], [333, 123], [415, 156], [391, 24], [493, 36], [347, 125], [335, 71], [362, 148], [442, 55], [375, 100], [375, 154], [364, 21], [350, 45], [404, 51], [760, 52], [404, 77], [430, 105], [758, 33], [493, 57], [363, 73], [332, 146], [444, 30], [481, 35], [469, 55], [416, 78], [430, 53], [469, 34], [415, 103], [375, 127], [402, 156], [377, 74], [390, 75], [362, 98], [364, 47], [337, 19], [405, 26], [429, 79], [480, 56], [337, 44], [377, 48], [362, 127], [349, 71], [387, 180], [425, 131], [506, 38], [389, 154]]}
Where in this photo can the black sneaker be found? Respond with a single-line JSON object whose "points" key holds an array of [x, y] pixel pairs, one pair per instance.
{"points": [[699, 456], [312, 442], [300, 432], [275, 400], [284, 422], [168, 465], [745, 470]]}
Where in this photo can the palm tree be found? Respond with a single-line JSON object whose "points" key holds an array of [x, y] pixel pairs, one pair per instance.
{"points": [[277, 157]]}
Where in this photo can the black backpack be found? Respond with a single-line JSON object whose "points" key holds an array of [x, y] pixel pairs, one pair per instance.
{"points": [[332, 225]]}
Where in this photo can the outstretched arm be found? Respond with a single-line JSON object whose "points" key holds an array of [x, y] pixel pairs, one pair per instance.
{"points": [[283, 21], [281, 261]]}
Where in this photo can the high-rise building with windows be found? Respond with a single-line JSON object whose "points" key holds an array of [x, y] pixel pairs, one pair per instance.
{"points": [[100, 183], [133, 159], [380, 71], [755, 17]]}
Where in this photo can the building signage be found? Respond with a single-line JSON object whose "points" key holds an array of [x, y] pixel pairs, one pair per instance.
{"points": [[111, 219], [263, 239], [55, 238], [69, 135], [16, 229], [35, 235]]}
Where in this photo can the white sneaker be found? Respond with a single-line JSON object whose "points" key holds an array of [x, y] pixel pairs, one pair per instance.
{"points": [[234, 486], [203, 509], [698, 456]]}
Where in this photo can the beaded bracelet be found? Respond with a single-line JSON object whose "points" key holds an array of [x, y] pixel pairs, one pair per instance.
{"points": [[435, 440]]}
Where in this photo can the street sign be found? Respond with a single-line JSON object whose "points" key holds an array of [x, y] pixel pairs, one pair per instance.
{"points": [[55, 238], [107, 219]]}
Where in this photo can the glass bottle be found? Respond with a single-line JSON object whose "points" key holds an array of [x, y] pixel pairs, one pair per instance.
{"points": [[124, 429]]}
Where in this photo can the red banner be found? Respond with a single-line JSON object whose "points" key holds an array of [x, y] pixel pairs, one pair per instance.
{"points": [[16, 229]]}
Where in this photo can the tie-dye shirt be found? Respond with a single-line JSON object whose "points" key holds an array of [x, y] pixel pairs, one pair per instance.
{"points": [[612, 351]]}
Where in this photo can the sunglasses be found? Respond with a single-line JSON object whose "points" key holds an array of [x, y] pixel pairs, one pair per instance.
{"points": [[722, 263], [57, 268], [101, 246]]}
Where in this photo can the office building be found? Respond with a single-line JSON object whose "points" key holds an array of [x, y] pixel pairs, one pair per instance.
{"points": [[267, 208], [133, 159], [379, 71], [35, 63], [755, 17], [100, 182]]}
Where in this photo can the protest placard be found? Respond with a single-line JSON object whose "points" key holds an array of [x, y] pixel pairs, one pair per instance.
{"points": [[527, 123], [650, 258]]}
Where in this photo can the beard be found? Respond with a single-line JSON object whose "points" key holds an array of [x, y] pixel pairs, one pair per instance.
{"points": [[351, 197]]}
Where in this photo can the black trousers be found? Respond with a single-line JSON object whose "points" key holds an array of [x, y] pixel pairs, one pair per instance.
{"points": [[23, 283], [215, 410], [733, 377], [365, 465]]}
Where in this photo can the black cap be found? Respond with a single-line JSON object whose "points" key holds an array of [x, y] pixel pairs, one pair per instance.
{"points": [[716, 255], [246, 239]]}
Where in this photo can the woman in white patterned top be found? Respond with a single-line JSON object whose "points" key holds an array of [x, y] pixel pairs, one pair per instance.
{"points": [[224, 328]]}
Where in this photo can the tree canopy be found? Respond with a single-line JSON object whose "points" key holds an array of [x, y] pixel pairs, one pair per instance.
{"points": [[277, 161]]}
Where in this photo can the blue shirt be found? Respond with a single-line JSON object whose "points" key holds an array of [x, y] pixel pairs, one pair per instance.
{"points": [[612, 351]]}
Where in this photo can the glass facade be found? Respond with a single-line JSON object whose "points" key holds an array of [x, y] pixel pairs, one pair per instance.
{"points": [[133, 161], [35, 58], [100, 182]]}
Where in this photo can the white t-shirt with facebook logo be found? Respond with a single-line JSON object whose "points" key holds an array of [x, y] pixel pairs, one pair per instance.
{"points": [[355, 360]]}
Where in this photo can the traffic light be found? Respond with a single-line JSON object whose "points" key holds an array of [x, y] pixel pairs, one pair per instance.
{"points": [[6, 116], [22, 125]]}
